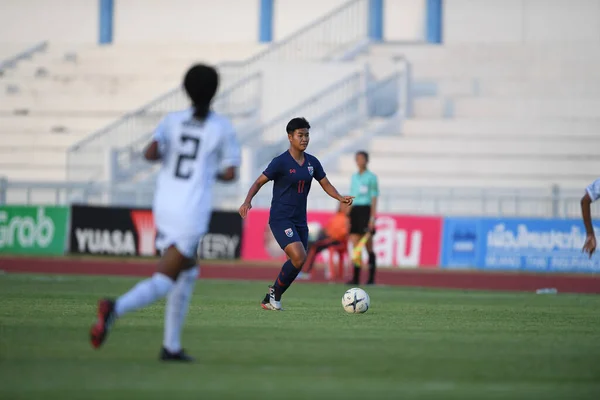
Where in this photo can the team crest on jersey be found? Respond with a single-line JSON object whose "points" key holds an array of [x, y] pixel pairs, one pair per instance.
{"points": [[289, 232], [311, 170]]}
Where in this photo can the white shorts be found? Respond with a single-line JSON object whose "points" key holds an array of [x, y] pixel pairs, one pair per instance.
{"points": [[174, 229], [185, 243]]}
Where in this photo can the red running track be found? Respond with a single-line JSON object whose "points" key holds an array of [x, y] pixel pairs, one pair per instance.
{"points": [[406, 277]]}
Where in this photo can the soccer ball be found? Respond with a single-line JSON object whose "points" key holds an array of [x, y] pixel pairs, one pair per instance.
{"points": [[356, 301]]}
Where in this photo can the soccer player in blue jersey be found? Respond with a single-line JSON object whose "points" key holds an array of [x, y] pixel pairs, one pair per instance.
{"points": [[291, 173]]}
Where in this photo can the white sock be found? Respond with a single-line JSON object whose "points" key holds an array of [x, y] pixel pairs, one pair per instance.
{"points": [[144, 293], [178, 302]]}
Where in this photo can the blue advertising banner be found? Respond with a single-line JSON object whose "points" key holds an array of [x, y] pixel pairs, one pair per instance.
{"points": [[461, 243], [536, 245]]}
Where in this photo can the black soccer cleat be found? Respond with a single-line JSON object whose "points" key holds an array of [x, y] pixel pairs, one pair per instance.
{"points": [[106, 318], [180, 356], [267, 296], [269, 302]]}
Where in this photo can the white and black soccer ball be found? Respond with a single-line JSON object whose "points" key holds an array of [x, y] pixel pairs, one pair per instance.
{"points": [[356, 301]]}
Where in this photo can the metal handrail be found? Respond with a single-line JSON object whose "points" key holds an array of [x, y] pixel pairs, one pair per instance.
{"points": [[91, 159], [273, 49], [356, 76], [12, 61], [403, 110], [300, 108], [266, 154], [550, 202], [142, 110], [258, 75], [294, 36], [466, 191], [341, 109]]}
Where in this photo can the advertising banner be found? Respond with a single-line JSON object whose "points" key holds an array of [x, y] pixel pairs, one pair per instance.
{"points": [[131, 232], [111, 231], [33, 230], [401, 241], [224, 238], [536, 245]]}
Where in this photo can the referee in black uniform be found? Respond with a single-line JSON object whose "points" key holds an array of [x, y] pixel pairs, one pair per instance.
{"points": [[365, 189]]}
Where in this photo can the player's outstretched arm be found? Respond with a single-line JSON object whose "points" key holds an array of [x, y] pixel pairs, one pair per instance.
{"points": [[227, 175], [586, 213], [262, 179], [332, 192], [592, 193], [232, 155], [151, 153], [160, 138]]}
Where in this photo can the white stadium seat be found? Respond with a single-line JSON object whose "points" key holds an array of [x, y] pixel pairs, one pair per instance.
{"points": [[62, 95], [491, 116]]}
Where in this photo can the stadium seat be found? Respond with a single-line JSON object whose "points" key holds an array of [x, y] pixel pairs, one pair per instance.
{"points": [[490, 116], [62, 95]]}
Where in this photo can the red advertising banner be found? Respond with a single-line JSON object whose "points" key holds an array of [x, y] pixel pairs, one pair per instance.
{"points": [[401, 241]]}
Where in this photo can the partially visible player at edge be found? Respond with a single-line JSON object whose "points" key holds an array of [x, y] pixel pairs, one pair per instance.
{"points": [[592, 194], [291, 173], [365, 188], [193, 145]]}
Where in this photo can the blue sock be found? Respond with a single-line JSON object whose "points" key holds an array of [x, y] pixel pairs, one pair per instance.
{"points": [[285, 278]]}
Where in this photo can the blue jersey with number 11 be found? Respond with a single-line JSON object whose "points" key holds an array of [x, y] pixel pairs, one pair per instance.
{"points": [[291, 184]]}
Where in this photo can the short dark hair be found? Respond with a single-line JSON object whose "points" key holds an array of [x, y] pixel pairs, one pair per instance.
{"points": [[362, 153], [201, 82], [297, 123]]}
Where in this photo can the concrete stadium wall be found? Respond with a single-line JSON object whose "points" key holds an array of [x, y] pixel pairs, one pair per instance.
{"points": [[135, 21], [28, 21], [291, 15], [195, 21], [521, 21], [222, 21], [403, 20]]}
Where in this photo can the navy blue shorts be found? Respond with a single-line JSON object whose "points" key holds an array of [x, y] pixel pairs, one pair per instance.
{"points": [[286, 232]]}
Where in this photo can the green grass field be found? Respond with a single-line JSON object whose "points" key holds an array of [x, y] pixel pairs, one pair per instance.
{"points": [[412, 344]]}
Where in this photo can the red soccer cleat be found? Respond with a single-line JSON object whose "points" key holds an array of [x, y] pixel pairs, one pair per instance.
{"points": [[106, 317]]}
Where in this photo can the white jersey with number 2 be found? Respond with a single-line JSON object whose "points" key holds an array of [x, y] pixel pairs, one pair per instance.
{"points": [[192, 154]]}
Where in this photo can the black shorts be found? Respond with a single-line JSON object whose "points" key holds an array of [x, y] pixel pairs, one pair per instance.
{"points": [[359, 219]]}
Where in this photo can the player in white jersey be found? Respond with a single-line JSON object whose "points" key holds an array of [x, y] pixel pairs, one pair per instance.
{"points": [[194, 151], [196, 147], [592, 193]]}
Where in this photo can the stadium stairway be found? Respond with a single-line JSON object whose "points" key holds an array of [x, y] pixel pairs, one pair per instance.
{"points": [[243, 92], [490, 116]]}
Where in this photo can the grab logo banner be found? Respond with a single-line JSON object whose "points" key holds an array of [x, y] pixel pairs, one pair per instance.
{"points": [[33, 230], [401, 241]]}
